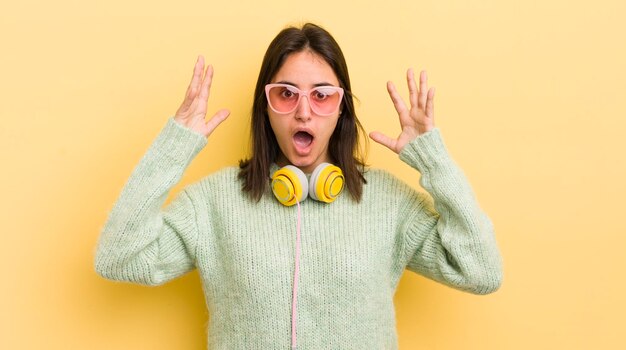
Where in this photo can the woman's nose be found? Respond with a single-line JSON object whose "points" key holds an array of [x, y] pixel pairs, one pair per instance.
{"points": [[304, 108]]}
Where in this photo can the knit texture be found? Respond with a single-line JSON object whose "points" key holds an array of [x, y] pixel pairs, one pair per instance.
{"points": [[352, 254]]}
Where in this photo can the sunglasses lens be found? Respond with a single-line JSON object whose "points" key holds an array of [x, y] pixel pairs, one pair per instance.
{"points": [[283, 99], [325, 100]]}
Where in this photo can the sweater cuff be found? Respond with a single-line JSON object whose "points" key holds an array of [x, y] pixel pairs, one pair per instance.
{"points": [[426, 151], [178, 143]]}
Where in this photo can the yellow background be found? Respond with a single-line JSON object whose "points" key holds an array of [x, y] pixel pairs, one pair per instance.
{"points": [[530, 100]]}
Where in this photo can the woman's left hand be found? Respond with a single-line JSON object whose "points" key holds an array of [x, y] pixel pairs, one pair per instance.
{"points": [[415, 121]]}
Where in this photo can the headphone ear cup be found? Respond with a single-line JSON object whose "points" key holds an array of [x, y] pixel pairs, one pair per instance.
{"points": [[289, 185], [326, 183]]}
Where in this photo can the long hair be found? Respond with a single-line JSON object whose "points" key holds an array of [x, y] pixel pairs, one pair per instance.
{"points": [[344, 142]]}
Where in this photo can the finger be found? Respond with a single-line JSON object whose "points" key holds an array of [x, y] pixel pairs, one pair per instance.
{"points": [[410, 79], [398, 103], [196, 78], [192, 90], [199, 105], [383, 140], [430, 104], [423, 90], [217, 119], [206, 84], [199, 62]]}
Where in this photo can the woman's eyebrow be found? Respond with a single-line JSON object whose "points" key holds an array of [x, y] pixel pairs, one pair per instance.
{"points": [[296, 85], [287, 82]]}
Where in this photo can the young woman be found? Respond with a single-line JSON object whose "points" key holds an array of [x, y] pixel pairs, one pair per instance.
{"points": [[280, 270]]}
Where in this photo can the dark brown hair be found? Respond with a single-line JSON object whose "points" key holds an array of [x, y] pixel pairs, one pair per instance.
{"points": [[344, 142]]}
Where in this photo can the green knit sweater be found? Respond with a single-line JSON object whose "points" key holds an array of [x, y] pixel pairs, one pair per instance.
{"points": [[352, 254]]}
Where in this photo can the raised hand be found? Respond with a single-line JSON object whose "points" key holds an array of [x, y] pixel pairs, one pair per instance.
{"points": [[415, 121], [192, 112]]}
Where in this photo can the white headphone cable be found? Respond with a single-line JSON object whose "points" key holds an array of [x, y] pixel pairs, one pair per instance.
{"points": [[295, 282]]}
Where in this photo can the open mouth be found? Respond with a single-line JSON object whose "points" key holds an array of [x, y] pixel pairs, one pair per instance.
{"points": [[303, 139]]}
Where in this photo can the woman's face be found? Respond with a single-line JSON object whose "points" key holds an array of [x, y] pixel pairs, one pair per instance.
{"points": [[303, 135]]}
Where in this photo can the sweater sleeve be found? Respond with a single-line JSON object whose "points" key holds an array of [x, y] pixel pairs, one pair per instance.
{"points": [[448, 237], [141, 242]]}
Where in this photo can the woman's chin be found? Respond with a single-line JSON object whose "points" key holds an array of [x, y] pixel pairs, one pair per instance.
{"points": [[305, 165]]}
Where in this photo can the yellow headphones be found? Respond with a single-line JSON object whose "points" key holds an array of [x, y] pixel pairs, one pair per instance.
{"points": [[290, 184]]}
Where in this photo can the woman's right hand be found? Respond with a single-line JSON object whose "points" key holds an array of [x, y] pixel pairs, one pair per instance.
{"points": [[192, 112]]}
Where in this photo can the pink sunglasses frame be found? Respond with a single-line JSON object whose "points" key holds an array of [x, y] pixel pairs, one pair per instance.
{"points": [[301, 93]]}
